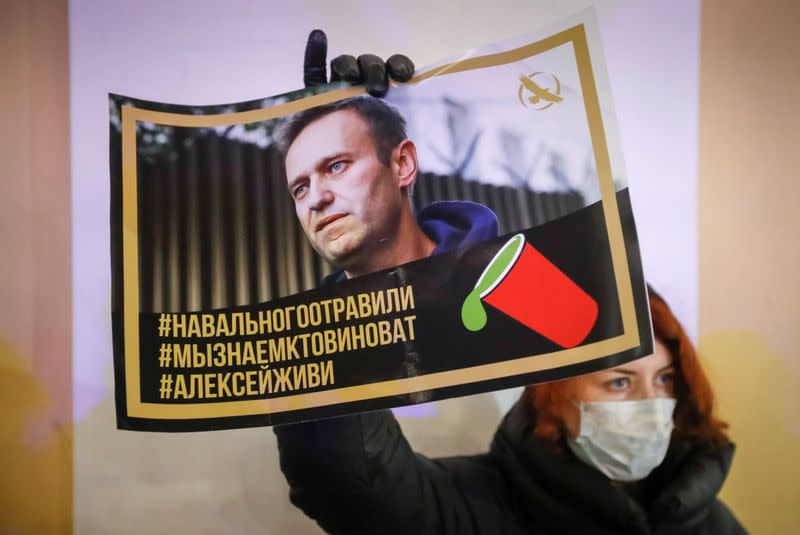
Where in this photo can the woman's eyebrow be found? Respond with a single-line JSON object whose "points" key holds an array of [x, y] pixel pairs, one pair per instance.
{"points": [[626, 371], [623, 371]]}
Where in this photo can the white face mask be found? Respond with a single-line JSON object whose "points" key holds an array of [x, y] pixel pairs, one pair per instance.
{"points": [[625, 440]]}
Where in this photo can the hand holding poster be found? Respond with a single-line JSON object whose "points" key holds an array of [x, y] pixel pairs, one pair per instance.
{"points": [[476, 222]]}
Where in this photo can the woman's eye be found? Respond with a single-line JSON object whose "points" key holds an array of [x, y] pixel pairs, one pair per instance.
{"points": [[618, 384], [667, 378], [337, 166]]}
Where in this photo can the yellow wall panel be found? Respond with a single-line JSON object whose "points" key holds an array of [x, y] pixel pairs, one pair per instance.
{"points": [[749, 235]]}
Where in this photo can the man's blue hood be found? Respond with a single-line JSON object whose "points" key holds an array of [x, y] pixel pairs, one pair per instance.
{"points": [[450, 224], [454, 224]]}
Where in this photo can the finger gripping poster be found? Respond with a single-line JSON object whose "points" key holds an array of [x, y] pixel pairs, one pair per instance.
{"points": [[254, 245]]}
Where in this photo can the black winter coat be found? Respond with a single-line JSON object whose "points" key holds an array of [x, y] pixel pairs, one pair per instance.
{"points": [[358, 474]]}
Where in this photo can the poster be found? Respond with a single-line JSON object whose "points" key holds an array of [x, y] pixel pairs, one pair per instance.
{"points": [[227, 314]]}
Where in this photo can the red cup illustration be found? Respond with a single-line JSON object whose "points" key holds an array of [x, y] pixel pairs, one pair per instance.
{"points": [[524, 284]]}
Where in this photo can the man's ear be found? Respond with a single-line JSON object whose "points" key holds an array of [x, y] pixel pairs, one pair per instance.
{"points": [[404, 163]]}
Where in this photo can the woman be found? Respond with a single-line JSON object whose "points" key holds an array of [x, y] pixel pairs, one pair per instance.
{"points": [[633, 449]]}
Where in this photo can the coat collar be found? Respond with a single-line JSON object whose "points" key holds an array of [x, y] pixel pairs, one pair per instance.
{"points": [[559, 490]]}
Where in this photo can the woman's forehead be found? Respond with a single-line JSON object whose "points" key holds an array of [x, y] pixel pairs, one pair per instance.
{"points": [[660, 358]]}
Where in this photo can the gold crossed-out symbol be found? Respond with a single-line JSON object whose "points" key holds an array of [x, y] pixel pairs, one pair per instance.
{"points": [[540, 97]]}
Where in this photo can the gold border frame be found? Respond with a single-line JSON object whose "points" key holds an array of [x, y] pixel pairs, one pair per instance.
{"points": [[545, 361]]}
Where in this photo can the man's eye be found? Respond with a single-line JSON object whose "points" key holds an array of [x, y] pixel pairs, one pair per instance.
{"points": [[299, 190], [337, 166]]}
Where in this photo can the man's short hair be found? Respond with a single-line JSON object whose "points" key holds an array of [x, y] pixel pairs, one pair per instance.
{"points": [[387, 127]]}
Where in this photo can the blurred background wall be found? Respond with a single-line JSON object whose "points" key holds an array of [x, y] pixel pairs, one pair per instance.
{"points": [[749, 234], [704, 95], [35, 269]]}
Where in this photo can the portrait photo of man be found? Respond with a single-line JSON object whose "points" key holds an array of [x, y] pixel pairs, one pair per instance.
{"points": [[371, 233], [350, 168]]}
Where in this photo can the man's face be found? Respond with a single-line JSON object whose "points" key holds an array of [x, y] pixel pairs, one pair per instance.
{"points": [[347, 201]]}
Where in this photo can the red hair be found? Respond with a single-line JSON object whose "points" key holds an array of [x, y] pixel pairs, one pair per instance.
{"points": [[694, 416]]}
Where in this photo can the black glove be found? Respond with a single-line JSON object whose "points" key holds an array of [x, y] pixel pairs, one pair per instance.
{"points": [[367, 69]]}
